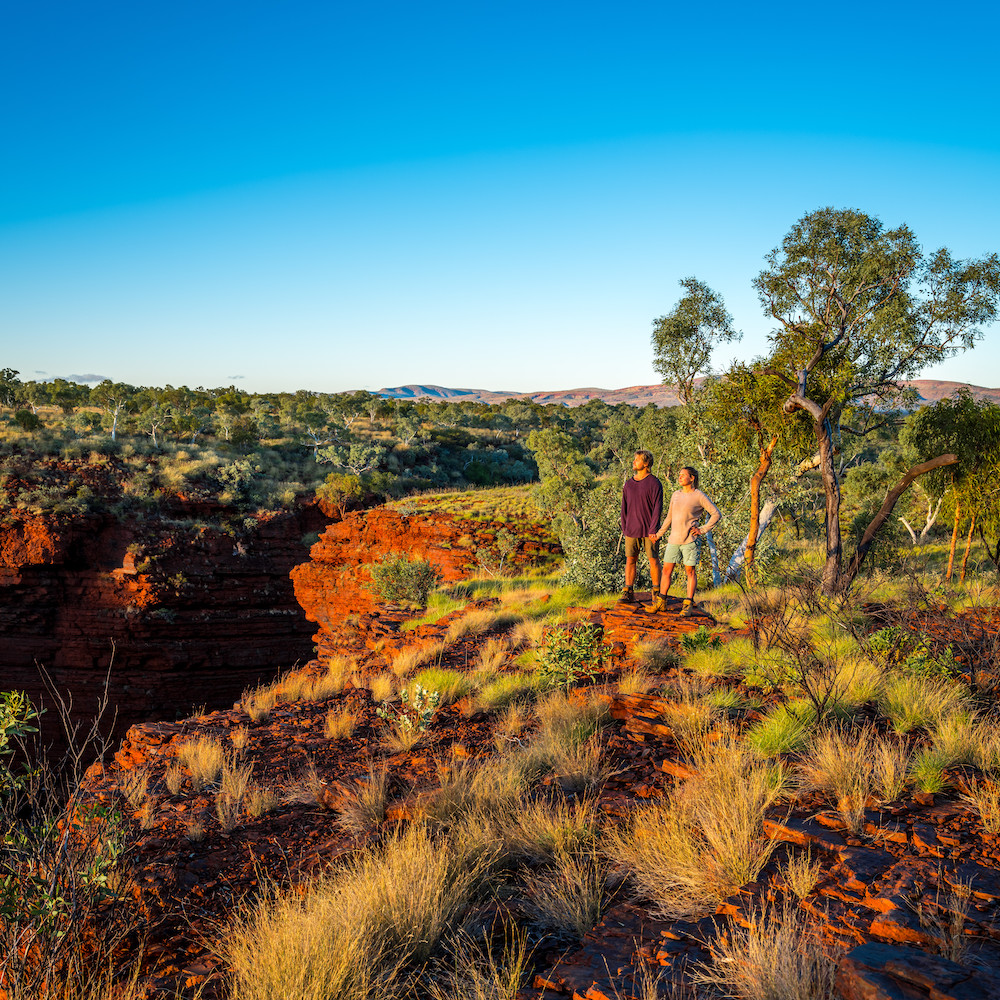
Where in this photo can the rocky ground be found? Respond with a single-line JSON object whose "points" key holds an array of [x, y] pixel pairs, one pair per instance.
{"points": [[910, 905]]}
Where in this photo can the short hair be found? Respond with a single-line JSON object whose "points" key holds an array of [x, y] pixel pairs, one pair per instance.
{"points": [[693, 472], [647, 457]]}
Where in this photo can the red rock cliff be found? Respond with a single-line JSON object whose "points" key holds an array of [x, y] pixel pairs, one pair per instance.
{"points": [[192, 614]]}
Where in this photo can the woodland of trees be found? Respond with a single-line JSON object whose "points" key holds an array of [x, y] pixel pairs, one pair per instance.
{"points": [[820, 432]]}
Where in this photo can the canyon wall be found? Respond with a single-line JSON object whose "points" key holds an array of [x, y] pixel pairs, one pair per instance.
{"points": [[172, 610]]}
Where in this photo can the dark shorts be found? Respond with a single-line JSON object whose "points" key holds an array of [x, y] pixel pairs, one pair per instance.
{"points": [[632, 546]]}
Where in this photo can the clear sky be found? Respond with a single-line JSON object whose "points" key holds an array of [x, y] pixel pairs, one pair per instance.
{"points": [[485, 194]]}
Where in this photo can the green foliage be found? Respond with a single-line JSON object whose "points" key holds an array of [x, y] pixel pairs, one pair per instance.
{"points": [[700, 639], [568, 656], [397, 578], [415, 715], [913, 653], [683, 340], [16, 716]]}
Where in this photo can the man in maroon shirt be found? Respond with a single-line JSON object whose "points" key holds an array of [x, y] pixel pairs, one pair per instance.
{"points": [[642, 505]]}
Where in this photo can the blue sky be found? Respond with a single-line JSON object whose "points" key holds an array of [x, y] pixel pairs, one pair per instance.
{"points": [[493, 195]]}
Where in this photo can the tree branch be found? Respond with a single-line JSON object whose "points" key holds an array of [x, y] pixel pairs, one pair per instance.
{"points": [[868, 538]]}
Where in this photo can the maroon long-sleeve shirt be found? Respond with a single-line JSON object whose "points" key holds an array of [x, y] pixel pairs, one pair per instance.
{"points": [[642, 505]]}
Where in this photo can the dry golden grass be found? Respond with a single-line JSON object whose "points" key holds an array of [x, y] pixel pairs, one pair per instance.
{"points": [[367, 810], [383, 687], [195, 830], [480, 621], [412, 659], [477, 973], [542, 829], [239, 738], [204, 758], [528, 633], [635, 682], [689, 851], [985, 796], [491, 655], [401, 736], [567, 896], [511, 722], [174, 778], [135, 786], [352, 932], [801, 873], [339, 724], [655, 655], [259, 701], [910, 701], [307, 788], [778, 957], [852, 765], [260, 801]]}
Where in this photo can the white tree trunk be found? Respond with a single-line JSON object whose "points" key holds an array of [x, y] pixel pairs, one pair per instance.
{"points": [[736, 563]]}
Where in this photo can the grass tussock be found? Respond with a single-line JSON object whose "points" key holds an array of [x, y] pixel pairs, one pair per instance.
{"points": [[781, 731], [204, 758], [491, 655], [778, 957], [693, 849], [479, 972], [479, 622], [655, 656], [367, 809], [339, 724], [451, 685], [801, 872], [567, 896], [412, 659], [910, 701], [382, 687], [352, 933]]}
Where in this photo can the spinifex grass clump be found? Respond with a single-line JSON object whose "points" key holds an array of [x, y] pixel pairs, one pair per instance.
{"points": [[689, 851]]}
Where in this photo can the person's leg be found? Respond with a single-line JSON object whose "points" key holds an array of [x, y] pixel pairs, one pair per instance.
{"points": [[692, 581], [654, 573], [665, 577], [631, 560], [691, 570]]}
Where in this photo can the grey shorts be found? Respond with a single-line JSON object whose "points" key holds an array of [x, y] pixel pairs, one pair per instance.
{"points": [[632, 547], [689, 553]]}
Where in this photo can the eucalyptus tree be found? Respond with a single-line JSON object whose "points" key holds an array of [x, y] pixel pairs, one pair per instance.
{"points": [[860, 309], [116, 399], [746, 405], [684, 339]]}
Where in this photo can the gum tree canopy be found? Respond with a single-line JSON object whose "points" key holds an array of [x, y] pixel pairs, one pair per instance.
{"points": [[860, 309]]}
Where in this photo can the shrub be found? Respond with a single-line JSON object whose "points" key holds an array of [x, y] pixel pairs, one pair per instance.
{"points": [[401, 580], [568, 656]]}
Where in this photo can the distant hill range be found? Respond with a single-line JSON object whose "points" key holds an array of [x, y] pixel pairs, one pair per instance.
{"points": [[930, 391]]}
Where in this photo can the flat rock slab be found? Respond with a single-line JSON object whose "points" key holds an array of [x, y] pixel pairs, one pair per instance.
{"points": [[888, 972]]}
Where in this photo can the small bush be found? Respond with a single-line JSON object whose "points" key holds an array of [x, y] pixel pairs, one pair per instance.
{"points": [[401, 580], [569, 656]]}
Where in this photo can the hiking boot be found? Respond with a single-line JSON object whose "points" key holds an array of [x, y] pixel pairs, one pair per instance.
{"points": [[659, 604], [688, 609], [627, 596]]}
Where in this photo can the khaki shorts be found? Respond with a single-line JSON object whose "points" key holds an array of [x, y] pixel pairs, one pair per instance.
{"points": [[688, 553], [632, 547]]}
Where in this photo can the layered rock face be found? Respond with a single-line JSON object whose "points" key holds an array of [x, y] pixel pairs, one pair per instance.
{"points": [[172, 611]]}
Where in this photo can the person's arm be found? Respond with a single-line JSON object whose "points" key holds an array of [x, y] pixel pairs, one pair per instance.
{"points": [[654, 520], [714, 516], [666, 523], [624, 504]]}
